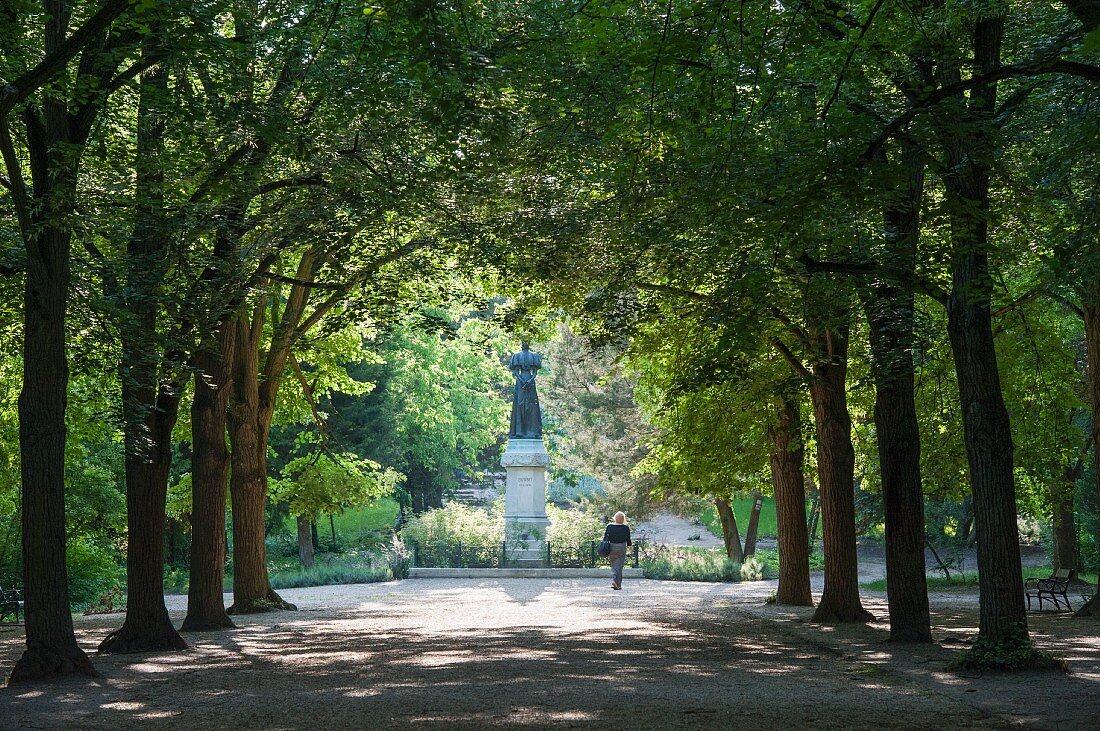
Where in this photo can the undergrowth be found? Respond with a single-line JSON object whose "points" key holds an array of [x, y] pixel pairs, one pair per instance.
{"points": [[1010, 656], [677, 563]]}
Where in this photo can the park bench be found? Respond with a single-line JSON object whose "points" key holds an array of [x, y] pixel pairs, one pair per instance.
{"points": [[11, 605], [1052, 589]]}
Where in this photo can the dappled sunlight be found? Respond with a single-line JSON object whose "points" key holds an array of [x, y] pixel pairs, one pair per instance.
{"points": [[538, 653]]}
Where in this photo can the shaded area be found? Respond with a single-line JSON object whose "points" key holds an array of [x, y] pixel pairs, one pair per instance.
{"points": [[567, 653]]}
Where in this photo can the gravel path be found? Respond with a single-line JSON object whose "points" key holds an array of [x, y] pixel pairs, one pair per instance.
{"points": [[539, 653]]}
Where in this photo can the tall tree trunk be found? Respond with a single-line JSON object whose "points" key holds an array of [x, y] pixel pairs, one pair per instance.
{"points": [[967, 136], [248, 433], [730, 536], [209, 475], [1063, 523], [51, 644], [989, 451], [150, 396], [305, 542], [788, 482], [836, 469], [754, 523], [1090, 305], [889, 306]]}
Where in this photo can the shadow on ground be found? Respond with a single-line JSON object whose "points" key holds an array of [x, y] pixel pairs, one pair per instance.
{"points": [[428, 657]]}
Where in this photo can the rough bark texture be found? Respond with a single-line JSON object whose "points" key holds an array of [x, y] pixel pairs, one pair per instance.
{"points": [[889, 306], [836, 470], [305, 542], [51, 645], [249, 423], [150, 396], [730, 536], [987, 432], [754, 523], [1064, 525], [788, 482], [1090, 305], [209, 474], [43, 212]]}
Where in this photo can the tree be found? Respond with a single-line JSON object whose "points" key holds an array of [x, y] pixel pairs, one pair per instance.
{"points": [[55, 126], [323, 482]]}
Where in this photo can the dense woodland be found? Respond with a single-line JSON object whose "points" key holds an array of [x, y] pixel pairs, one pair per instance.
{"points": [[847, 247]]}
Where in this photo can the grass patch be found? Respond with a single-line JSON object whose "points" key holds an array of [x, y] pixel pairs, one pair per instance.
{"points": [[969, 580], [741, 509], [367, 526], [355, 567], [342, 570]]}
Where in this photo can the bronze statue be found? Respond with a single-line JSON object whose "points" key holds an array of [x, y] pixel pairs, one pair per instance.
{"points": [[526, 414]]}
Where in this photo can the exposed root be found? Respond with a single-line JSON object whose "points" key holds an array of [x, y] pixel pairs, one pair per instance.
{"points": [[1091, 608], [158, 636], [842, 615], [269, 602], [42, 663], [1007, 656]]}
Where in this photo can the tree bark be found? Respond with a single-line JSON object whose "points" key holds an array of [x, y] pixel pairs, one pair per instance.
{"points": [[986, 427], [788, 482], [150, 393], [1090, 306], [889, 306], [1063, 523], [836, 470], [249, 425], [754, 523], [209, 474], [730, 536], [43, 214], [305, 542], [51, 644]]}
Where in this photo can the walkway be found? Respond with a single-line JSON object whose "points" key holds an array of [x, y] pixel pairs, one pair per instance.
{"points": [[537, 653]]}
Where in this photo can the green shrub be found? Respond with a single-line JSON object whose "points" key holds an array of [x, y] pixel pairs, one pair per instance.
{"points": [[684, 563], [573, 526], [355, 568], [93, 571], [456, 523], [1009, 656], [398, 558], [753, 569]]}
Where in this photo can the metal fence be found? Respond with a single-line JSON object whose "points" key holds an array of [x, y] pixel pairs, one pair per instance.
{"points": [[496, 555]]}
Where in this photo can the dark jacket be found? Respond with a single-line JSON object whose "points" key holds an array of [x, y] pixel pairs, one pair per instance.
{"points": [[617, 533]]}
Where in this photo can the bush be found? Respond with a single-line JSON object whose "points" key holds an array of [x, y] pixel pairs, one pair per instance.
{"points": [[456, 523], [1011, 656], [573, 526], [354, 568], [398, 558], [93, 571], [669, 563]]}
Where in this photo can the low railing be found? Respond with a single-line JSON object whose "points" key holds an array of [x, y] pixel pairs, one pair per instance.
{"points": [[494, 556]]}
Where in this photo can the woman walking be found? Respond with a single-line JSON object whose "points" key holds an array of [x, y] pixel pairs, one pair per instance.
{"points": [[618, 535]]}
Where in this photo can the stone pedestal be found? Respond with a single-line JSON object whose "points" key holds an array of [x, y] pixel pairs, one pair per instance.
{"points": [[525, 521]]}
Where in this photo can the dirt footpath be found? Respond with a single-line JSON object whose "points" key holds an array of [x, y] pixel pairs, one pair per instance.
{"points": [[565, 653]]}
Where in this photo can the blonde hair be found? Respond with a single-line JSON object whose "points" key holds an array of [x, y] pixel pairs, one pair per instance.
{"points": [[620, 517]]}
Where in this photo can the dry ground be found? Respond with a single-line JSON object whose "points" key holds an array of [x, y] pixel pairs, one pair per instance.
{"points": [[572, 653]]}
